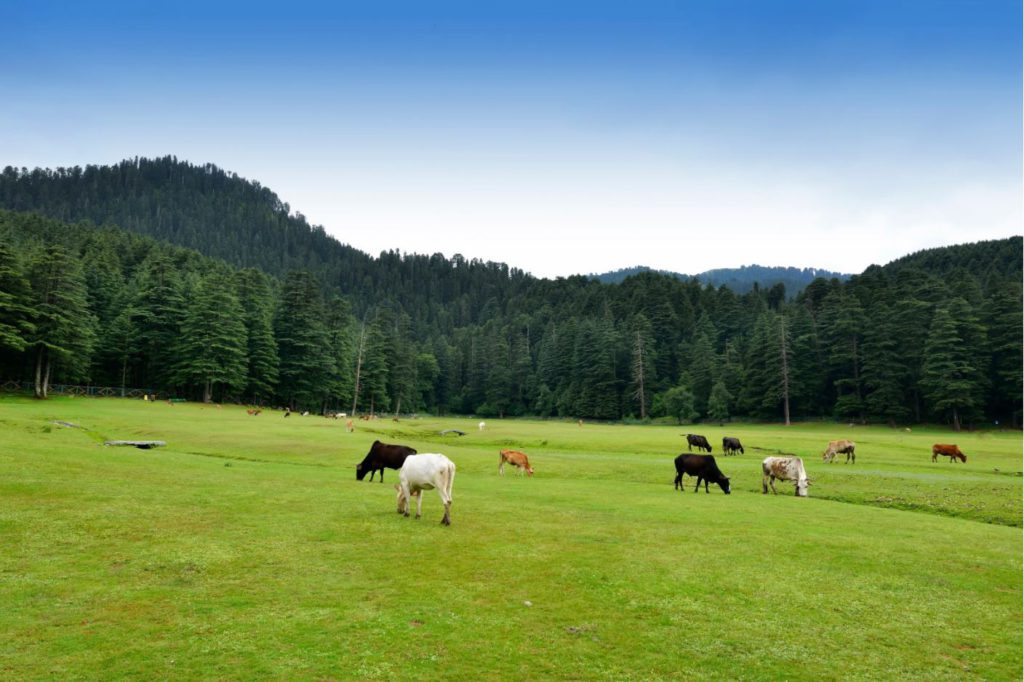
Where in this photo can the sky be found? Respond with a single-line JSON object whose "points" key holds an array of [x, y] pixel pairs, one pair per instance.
{"points": [[558, 137]]}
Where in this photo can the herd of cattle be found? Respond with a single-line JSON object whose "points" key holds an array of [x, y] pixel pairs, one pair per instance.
{"points": [[418, 472]]}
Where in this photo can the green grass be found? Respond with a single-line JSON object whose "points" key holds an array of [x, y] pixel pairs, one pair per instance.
{"points": [[246, 549]]}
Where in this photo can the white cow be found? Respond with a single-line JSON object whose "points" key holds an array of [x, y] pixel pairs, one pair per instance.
{"points": [[425, 472], [784, 469], [481, 426]]}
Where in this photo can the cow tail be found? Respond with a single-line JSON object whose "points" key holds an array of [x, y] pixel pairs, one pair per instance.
{"points": [[449, 480]]}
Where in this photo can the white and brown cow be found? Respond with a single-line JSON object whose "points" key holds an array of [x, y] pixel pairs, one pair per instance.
{"points": [[516, 459], [840, 447], [425, 472], [784, 469]]}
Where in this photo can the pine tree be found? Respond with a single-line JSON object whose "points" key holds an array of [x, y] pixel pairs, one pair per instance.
{"points": [[212, 349], [844, 338], [1004, 320], [303, 344], [718, 403], [701, 365], [642, 365], [64, 328], [257, 300], [374, 380], [950, 381], [884, 375], [157, 313], [15, 294]]}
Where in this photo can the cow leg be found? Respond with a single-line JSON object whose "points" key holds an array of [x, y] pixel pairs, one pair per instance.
{"points": [[706, 486], [419, 505], [771, 482], [501, 468], [447, 520], [764, 485], [382, 474]]}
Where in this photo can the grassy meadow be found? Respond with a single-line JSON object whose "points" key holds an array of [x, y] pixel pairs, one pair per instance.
{"points": [[246, 549]]}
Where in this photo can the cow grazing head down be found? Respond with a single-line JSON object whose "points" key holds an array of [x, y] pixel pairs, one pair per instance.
{"points": [[703, 468], [382, 455], [425, 472], [784, 469]]}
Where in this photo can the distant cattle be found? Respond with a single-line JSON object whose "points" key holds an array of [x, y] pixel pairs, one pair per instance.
{"points": [[516, 459], [840, 447], [349, 427], [704, 468], [951, 451], [699, 442], [425, 472], [784, 469], [253, 413], [731, 445], [481, 426], [382, 455]]}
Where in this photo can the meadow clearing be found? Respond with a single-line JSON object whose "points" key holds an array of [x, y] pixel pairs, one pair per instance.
{"points": [[246, 549]]}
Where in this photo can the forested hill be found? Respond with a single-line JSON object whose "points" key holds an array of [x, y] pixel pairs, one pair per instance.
{"points": [[224, 216], [199, 207], [741, 279], [934, 336]]}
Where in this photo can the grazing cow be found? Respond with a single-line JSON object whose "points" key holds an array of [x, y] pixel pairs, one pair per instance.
{"points": [[481, 426], [253, 413], [731, 445], [840, 447], [426, 472], [516, 459], [700, 442], [947, 450], [349, 427], [382, 455], [784, 469], [704, 468]]}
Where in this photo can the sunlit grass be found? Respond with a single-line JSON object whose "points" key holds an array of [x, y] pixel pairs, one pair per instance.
{"points": [[246, 549]]}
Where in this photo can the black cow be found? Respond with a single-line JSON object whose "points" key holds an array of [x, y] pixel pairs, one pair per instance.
{"points": [[731, 445], [700, 442], [382, 455], [704, 468]]}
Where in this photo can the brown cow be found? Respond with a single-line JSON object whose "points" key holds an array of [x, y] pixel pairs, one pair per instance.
{"points": [[840, 447], [951, 451], [516, 459]]}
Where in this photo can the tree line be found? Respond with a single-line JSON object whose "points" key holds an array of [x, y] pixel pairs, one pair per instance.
{"points": [[935, 336]]}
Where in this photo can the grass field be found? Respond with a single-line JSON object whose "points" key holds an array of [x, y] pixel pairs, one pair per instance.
{"points": [[246, 549]]}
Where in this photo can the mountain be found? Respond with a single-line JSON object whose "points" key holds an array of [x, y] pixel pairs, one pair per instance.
{"points": [[741, 279]]}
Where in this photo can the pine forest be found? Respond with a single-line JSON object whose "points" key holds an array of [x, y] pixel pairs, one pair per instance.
{"points": [[188, 281]]}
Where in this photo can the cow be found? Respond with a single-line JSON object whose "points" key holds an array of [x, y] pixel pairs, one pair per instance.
{"points": [[840, 447], [700, 442], [948, 450], [731, 445], [425, 472], [516, 459], [253, 412], [704, 468], [382, 455], [784, 469], [481, 426]]}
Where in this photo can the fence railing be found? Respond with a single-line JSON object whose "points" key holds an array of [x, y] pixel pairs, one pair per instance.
{"points": [[79, 390]]}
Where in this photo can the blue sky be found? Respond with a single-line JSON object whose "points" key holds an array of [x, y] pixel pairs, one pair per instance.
{"points": [[557, 137]]}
